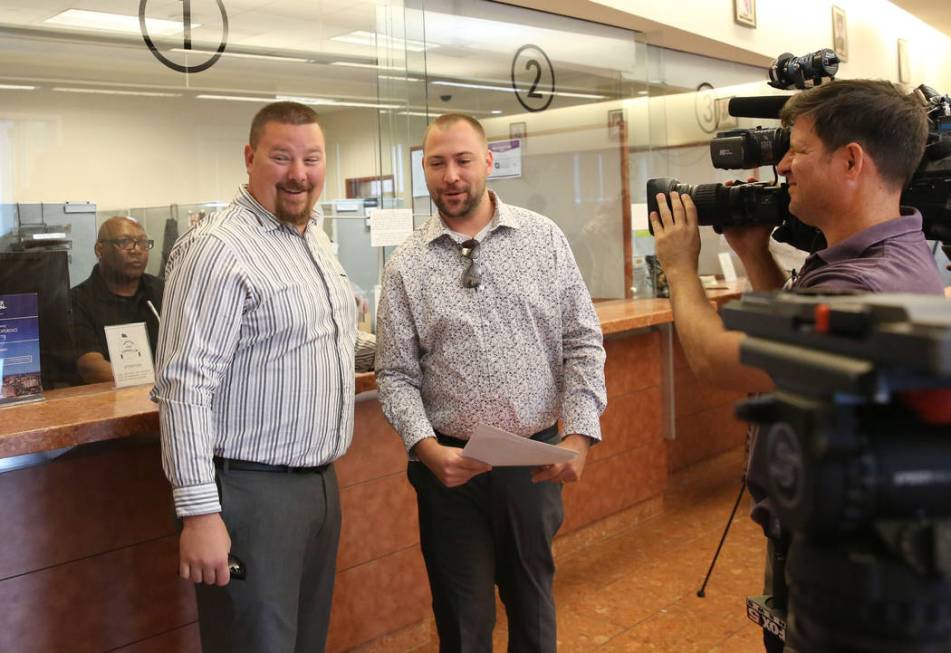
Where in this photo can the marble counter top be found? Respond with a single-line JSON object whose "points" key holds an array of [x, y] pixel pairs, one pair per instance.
{"points": [[90, 413]]}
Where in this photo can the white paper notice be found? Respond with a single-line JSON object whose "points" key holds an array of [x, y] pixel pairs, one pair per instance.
{"points": [[130, 354], [507, 159], [390, 227], [501, 448], [726, 264], [639, 221], [418, 173]]}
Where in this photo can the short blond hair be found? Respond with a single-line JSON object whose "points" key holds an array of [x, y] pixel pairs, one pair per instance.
{"points": [[447, 120]]}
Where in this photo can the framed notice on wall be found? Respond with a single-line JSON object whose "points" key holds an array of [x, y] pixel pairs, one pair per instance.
{"points": [[507, 162], [744, 12], [840, 34]]}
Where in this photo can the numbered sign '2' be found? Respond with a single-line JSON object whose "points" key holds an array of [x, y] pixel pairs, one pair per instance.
{"points": [[533, 78]]}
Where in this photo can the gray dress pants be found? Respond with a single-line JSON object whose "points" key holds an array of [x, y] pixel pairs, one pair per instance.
{"points": [[285, 528], [497, 529]]}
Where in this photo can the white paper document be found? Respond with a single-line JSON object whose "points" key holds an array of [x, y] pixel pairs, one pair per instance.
{"points": [[639, 217], [500, 449], [130, 354], [390, 227]]}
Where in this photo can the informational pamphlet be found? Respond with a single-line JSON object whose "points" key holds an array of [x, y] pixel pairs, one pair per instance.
{"points": [[20, 373], [130, 354], [390, 227], [507, 159]]}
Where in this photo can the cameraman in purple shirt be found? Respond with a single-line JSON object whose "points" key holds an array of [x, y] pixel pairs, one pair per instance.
{"points": [[854, 144]]}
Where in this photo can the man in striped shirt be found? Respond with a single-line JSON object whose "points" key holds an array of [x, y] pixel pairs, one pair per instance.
{"points": [[255, 392]]}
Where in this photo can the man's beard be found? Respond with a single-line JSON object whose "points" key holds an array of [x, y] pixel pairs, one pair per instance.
{"points": [[296, 217], [465, 210]]}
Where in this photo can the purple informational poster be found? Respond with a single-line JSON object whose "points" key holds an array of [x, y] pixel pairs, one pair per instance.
{"points": [[19, 348]]}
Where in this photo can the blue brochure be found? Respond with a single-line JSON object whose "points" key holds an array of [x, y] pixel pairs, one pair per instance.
{"points": [[20, 378]]}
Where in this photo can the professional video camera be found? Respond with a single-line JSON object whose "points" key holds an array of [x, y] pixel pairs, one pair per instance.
{"points": [[858, 441], [767, 203]]}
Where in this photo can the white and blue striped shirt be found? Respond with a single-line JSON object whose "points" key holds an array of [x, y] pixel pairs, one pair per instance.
{"points": [[256, 351]]}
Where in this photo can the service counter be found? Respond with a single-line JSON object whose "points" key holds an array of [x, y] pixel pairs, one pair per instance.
{"points": [[88, 555]]}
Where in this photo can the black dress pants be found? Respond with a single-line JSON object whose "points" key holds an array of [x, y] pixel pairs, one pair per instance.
{"points": [[497, 529]]}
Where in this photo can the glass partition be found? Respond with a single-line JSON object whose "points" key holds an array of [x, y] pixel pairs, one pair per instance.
{"points": [[550, 92], [106, 112], [100, 117], [686, 108]]}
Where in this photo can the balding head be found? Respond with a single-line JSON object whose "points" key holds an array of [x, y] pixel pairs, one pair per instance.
{"points": [[118, 224], [122, 249]]}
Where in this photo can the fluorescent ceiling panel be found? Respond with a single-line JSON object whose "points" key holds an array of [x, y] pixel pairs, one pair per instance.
{"points": [[375, 39], [108, 91], [509, 89], [100, 20]]}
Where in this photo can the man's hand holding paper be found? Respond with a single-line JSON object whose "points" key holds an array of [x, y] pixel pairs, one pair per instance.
{"points": [[561, 463]]}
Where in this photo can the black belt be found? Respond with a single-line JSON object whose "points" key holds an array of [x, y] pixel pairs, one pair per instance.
{"points": [[248, 466], [450, 441]]}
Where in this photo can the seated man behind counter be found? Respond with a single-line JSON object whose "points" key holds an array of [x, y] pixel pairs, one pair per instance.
{"points": [[117, 292], [854, 145]]}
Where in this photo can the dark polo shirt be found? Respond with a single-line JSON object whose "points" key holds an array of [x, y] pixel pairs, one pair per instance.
{"points": [[889, 257], [95, 308]]}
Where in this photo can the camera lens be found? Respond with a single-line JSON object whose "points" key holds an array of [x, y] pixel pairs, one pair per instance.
{"points": [[722, 206]]}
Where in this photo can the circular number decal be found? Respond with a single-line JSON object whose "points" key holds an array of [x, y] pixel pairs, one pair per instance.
{"points": [[533, 78]]}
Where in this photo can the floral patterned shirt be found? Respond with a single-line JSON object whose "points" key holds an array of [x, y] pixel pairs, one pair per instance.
{"points": [[517, 352]]}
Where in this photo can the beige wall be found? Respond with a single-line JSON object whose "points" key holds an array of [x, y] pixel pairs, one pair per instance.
{"points": [[123, 152], [119, 151], [352, 148], [707, 27]]}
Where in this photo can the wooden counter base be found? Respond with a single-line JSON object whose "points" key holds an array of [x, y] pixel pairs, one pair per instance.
{"points": [[88, 560]]}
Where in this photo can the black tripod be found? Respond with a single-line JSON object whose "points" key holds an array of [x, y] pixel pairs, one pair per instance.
{"points": [[702, 591]]}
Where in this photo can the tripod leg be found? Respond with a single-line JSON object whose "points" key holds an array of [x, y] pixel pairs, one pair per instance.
{"points": [[702, 591]]}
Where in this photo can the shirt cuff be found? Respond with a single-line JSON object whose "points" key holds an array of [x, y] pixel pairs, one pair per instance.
{"points": [[196, 500], [413, 438], [583, 423]]}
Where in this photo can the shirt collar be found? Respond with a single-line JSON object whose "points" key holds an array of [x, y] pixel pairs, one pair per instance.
{"points": [[265, 218], [852, 247], [504, 216]]}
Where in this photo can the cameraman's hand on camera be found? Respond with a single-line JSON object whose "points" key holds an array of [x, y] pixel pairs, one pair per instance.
{"points": [[749, 241], [751, 244], [676, 234]]}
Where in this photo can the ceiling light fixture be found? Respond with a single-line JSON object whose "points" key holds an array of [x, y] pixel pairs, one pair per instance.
{"points": [[331, 102], [16, 87], [109, 91], [101, 20], [357, 64], [399, 79], [234, 98], [246, 55], [372, 39], [509, 89]]}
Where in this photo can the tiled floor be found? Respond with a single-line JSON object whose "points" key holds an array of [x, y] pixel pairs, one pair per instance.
{"points": [[635, 590]]}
